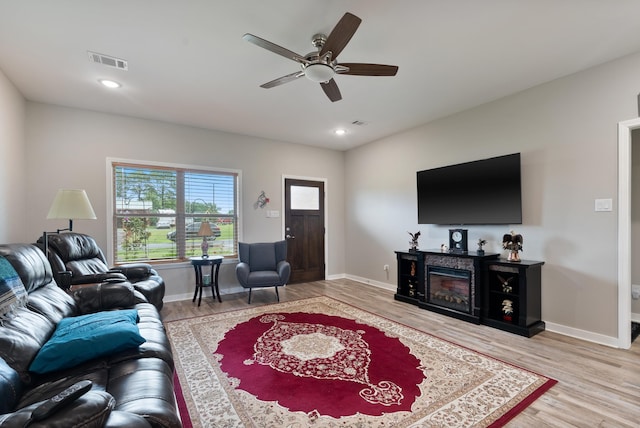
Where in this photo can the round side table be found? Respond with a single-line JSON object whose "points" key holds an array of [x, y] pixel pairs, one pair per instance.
{"points": [[214, 262]]}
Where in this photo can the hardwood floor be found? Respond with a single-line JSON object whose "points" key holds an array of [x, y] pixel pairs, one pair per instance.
{"points": [[597, 386]]}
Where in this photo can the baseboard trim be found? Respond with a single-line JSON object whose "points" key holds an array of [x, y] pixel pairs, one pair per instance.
{"points": [[577, 333], [189, 296], [177, 297], [378, 284], [635, 318]]}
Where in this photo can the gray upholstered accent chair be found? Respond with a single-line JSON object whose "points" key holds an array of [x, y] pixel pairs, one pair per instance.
{"points": [[263, 265]]}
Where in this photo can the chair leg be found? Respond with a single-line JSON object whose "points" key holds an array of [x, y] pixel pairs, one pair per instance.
{"points": [[277, 295], [249, 302]]}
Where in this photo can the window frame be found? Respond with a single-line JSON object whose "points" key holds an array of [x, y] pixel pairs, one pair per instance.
{"points": [[111, 243]]}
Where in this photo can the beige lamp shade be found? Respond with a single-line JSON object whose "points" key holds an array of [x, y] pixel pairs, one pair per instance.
{"points": [[71, 204], [205, 229]]}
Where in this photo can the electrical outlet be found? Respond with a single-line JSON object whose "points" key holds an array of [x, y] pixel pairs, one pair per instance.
{"points": [[635, 292], [386, 268]]}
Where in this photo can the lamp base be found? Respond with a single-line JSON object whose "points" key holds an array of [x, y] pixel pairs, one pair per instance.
{"points": [[205, 247]]}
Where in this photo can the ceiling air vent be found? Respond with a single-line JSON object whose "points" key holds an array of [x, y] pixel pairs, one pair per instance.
{"points": [[358, 123], [108, 60]]}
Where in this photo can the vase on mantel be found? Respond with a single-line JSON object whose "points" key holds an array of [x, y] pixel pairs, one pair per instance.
{"points": [[514, 256]]}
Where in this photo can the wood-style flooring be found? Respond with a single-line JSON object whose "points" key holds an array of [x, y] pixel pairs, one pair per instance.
{"points": [[598, 386]]}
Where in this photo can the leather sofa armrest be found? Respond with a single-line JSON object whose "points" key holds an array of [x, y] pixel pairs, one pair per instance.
{"points": [[120, 419], [90, 410], [242, 272], [98, 277], [134, 271], [106, 296], [138, 297]]}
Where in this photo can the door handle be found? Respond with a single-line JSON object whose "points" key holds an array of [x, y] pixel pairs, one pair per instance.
{"points": [[290, 237]]}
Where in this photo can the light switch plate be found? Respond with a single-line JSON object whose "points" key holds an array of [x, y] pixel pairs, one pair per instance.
{"points": [[604, 204]]}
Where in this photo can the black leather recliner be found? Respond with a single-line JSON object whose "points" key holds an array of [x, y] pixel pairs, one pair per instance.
{"points": [[80, 254]]}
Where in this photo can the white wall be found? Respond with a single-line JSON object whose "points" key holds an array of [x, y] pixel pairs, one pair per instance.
{"points": [[13, 165], [566, 132], [69, 147]]}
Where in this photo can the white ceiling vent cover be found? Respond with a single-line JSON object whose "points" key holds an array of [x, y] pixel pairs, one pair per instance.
{"points": [[110, 61]]}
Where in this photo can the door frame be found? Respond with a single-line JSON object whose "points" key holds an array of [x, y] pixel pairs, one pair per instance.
{"points": [[624, 230], [326, 213]]}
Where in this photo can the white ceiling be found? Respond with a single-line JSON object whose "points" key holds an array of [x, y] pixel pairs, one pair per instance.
{"points": [[188, 63]]}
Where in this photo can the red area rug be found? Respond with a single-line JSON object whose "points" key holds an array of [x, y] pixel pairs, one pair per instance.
{"points": [[319, 362]]}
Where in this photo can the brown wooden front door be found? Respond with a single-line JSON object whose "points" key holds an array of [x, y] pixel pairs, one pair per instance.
{"points": [[304, 229]]}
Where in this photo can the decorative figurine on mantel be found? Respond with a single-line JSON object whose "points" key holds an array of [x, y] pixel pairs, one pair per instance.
{"points": [[513, 243], [481, 243], [414, 241]]}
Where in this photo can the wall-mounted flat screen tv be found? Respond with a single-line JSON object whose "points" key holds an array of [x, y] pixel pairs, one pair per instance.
{"points": [[485, 191]]}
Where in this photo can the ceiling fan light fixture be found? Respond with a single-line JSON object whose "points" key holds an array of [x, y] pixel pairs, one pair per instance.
{"points": [[319, 72], [321, 65]]}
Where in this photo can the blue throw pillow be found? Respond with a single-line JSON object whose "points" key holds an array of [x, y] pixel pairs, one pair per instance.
{"points": [[80, 339]]}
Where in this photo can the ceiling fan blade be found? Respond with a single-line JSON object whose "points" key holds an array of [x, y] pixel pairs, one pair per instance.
{"points": [[274, 48], [357, 69], [282, 80], [340, 35], [331, 89]]}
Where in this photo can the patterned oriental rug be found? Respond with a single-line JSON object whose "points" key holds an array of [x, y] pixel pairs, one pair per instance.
{"points": [[322, 363]]}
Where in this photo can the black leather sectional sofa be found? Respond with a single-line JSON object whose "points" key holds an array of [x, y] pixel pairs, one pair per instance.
{"points": [[131, 387]]}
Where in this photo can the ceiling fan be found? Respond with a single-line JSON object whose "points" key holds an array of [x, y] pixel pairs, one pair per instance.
{"points": [[321, 65]]}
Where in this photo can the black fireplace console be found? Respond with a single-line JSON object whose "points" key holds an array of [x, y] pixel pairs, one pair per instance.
{"points": [[468, 286]]}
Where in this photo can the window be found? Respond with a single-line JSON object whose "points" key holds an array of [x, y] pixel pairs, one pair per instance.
{"points": [[158, 211]]}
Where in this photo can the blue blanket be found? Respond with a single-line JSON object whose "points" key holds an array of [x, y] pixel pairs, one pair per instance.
{"points": [[13, 295]]}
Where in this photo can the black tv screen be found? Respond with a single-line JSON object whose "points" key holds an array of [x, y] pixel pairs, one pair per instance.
{"points": [[480, 192]]}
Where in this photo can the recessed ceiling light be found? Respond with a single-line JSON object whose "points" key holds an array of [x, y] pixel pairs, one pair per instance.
{"points": [[340, 131], [110, 83]]}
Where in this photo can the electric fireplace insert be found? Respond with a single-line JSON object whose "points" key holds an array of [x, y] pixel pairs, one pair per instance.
{"points": [[449, 288]]}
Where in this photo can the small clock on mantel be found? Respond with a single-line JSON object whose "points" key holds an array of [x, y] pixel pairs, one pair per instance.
{"points": [[458, 240]]}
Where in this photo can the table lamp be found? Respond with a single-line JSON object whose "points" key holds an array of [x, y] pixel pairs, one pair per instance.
{"points": [[205, 231]]}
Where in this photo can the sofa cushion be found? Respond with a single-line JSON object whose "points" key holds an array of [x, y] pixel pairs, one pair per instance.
{"points": [[52, 302], [82, 338], [21, 338], [157, 343], [10, 387], [30, 263], [90, 410], [145, 387]]}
